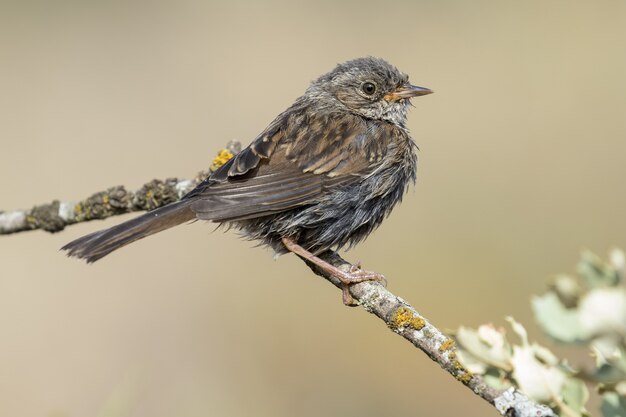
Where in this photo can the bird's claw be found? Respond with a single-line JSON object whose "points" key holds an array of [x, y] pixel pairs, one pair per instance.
{"points": [[355, 276]]}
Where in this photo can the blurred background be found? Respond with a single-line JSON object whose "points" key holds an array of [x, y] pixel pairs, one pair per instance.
{"points": [[522, 165]]}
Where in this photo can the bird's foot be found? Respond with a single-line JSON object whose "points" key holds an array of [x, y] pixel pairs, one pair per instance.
{"points": [[354, 276]]}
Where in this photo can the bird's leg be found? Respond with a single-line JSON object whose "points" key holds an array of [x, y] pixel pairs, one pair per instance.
{"points": [[355, 275]]}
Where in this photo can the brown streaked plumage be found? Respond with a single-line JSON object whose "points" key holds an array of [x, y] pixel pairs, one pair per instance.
{"points": [[322, 175]]}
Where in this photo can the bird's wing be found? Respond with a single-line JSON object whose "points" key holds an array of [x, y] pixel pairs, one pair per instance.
{"points": [[299, 156]]}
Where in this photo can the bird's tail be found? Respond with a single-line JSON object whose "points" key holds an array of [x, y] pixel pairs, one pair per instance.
{"points": [[99, 244]]}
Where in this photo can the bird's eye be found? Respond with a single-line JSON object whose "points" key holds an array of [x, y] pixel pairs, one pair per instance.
{"points": [[368, 88]]}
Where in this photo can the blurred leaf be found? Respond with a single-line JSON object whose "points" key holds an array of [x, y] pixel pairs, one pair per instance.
{"points": [[487, 345], [613, 405], [496, 378], [618, 261], [544, 355], [606, 350], [534, 368], [567, 289], [610, 367], [471, 362], [621, 388], [608, 374], [556, 321], [595, 272], [575, 395], [538, 381], [602, 312]]}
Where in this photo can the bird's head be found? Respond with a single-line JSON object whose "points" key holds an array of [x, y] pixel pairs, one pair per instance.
{"points": [[370, 87]]}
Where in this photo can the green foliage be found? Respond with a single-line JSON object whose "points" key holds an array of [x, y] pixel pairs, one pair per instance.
{"points": [[613, 405], [597, 273], [556, 320], [587, 312]]}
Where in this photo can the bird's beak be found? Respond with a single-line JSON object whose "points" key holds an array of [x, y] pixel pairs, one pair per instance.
{"points": [[407, 91]]}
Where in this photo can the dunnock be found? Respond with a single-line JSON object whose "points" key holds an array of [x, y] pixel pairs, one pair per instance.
{"points": [[322, 175]]}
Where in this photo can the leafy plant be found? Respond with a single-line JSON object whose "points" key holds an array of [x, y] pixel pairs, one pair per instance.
{"points": [[587, 311]]}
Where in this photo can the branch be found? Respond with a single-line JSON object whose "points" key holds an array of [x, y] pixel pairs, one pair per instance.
{"points": [[396, 313], [54, 216], [404, 320]]}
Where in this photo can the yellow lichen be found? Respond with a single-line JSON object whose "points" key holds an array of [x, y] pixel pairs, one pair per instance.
{"points": [[446, 345], [404, 317], [465, 377], [105, 199], [223, 156], [78, 208], [461, 373], [418, 323]]}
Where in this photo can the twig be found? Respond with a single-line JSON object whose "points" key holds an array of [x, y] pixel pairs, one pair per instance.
{"points": [[54, 216], [396, 313], [404, 320]]}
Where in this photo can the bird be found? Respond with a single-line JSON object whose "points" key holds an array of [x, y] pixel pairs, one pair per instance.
{"points": [[321, 176]]}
